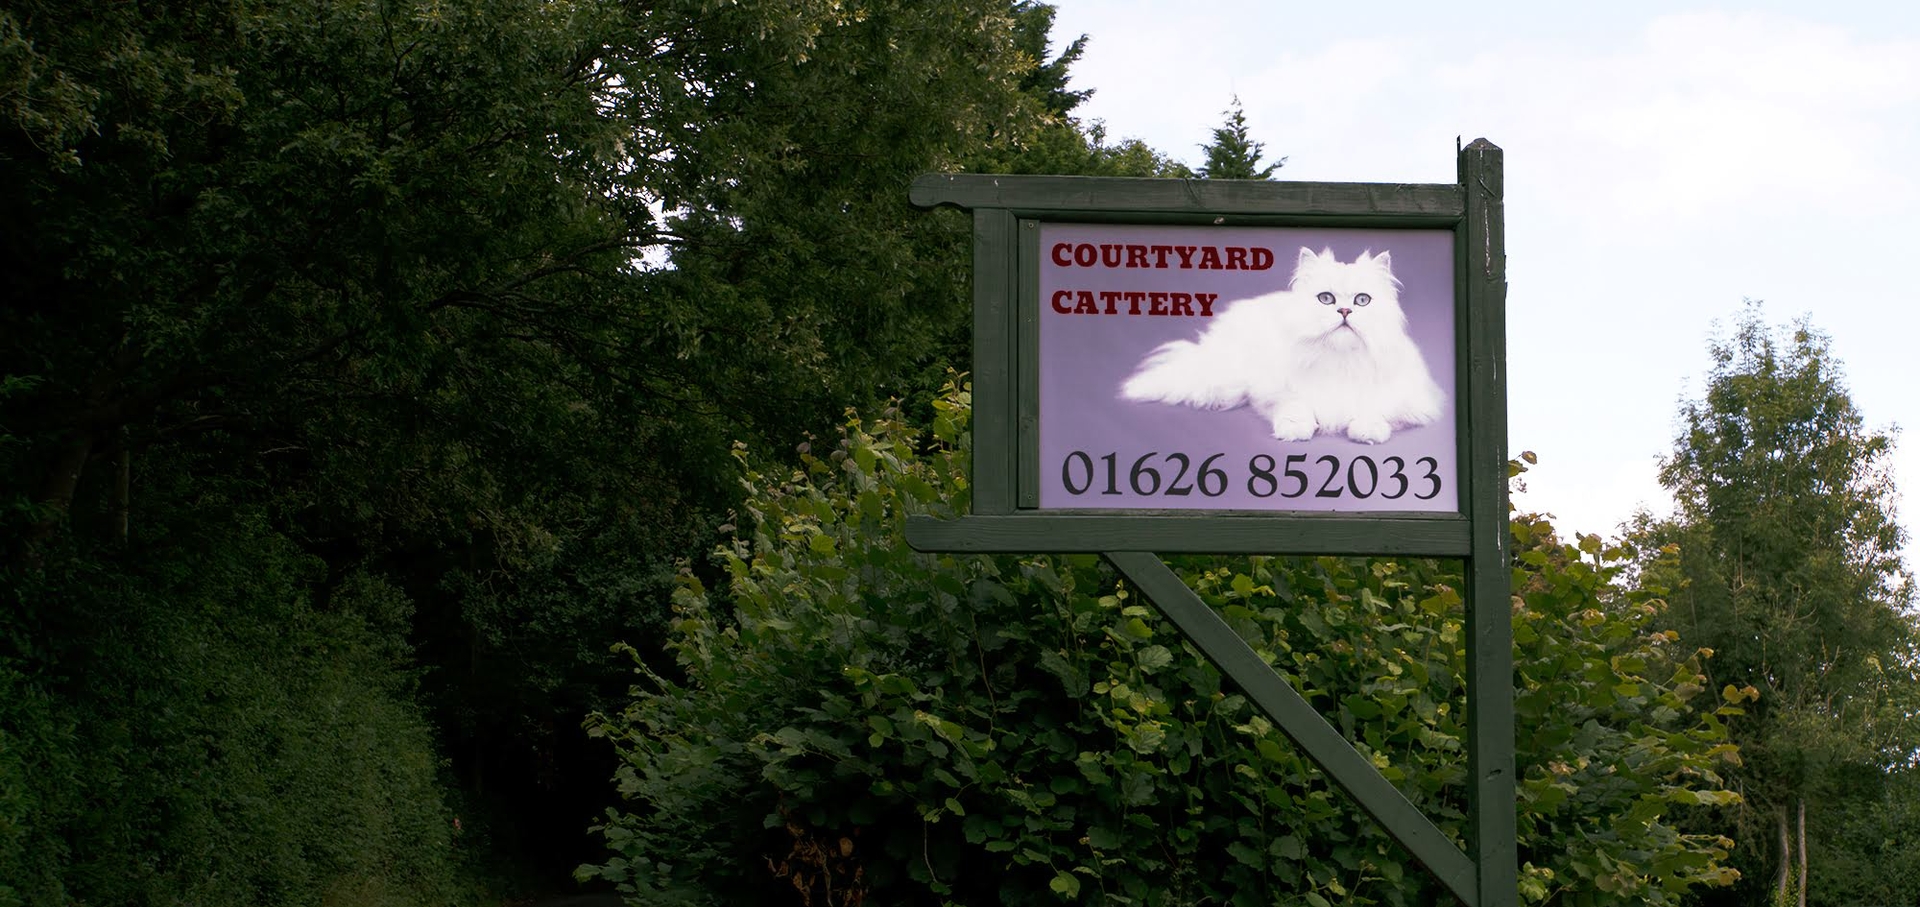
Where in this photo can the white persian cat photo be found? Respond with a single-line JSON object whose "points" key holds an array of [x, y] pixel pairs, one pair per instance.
{"points": [[1328, 354]]}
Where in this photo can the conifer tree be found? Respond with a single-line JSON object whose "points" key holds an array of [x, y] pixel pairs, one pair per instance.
{"points": [[1233, 154]]}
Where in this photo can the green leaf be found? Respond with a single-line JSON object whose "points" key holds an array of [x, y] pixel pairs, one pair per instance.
{"points": [[1246, 854]]}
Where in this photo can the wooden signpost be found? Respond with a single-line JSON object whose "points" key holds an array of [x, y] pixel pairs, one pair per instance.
{"points": [[1181, 366]]}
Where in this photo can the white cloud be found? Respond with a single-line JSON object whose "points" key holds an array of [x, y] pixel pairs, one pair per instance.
{"points": [[1706, 112]]}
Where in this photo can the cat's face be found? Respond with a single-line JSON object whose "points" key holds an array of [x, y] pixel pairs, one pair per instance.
{"points": [[1344, 305]]}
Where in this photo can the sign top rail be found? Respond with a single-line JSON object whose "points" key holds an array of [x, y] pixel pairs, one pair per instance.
{"points": [[1083, 194]]}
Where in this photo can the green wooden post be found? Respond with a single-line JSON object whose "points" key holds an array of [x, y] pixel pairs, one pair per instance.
{"points": [[994, 295], [1026, 325], [1490, 758]]}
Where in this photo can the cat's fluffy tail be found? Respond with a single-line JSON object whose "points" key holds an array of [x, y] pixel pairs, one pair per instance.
{"points": [[1185, 373]]}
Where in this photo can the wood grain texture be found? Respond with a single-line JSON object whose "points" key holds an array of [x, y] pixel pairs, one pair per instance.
{"points": [[1026, 327], [994, 296], [1490, 742]]}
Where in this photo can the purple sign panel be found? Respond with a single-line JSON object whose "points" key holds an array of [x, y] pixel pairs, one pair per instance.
{"points": [[1246, 368]]}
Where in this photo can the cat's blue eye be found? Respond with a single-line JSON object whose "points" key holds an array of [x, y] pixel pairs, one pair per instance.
{"points": [[1361, 299], [1325, 298]]}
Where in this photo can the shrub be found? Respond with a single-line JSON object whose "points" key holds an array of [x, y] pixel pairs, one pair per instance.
{"points": [[190, 726], [862, 723]]}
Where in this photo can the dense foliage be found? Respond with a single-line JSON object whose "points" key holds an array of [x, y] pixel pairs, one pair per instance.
{"points": [[162, 744], [367, 366], [343, 333], [864, 724], [1789, 568]]}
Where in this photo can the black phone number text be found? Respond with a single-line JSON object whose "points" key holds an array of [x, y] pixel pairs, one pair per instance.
{"points": [[1264, 476]]}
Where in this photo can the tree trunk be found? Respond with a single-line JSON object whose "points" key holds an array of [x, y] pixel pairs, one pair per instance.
{"points": [[1786, 857], [122, 489], [1803, 853], [56, 492]]}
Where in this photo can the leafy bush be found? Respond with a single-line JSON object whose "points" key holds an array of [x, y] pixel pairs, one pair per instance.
{"points": [[191, 725], [862, 723]]}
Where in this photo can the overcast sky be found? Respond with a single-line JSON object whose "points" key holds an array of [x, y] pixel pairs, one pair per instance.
{"points": [[1664, 162]]}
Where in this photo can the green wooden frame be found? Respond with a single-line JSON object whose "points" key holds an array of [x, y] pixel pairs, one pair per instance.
{"points": [[1006, 212]]}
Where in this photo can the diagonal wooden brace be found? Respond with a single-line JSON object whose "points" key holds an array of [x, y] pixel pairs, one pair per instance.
{"points": [[1301, 723]]}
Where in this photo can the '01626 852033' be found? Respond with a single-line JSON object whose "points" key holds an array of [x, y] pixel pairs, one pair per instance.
{"points": [[1179, 474]]}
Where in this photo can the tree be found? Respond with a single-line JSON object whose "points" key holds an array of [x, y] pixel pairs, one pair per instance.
{"points": [[1789, 569], [459, 303], [1061, 142], [1233, 155], [261, 283]]}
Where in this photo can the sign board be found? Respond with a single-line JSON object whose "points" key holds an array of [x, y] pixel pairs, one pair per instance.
{"points": [[1233, 366], [1246, 368], [1160, 363]]}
